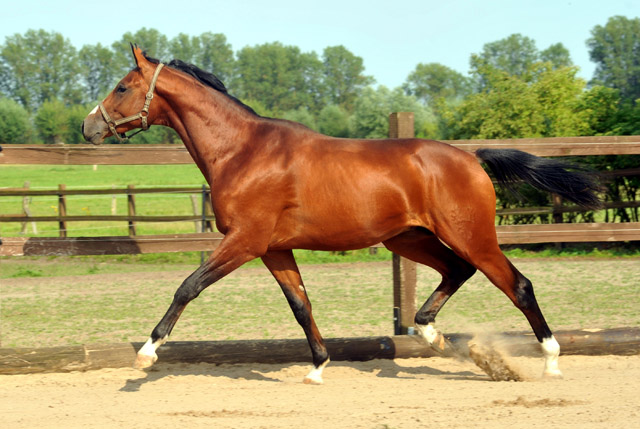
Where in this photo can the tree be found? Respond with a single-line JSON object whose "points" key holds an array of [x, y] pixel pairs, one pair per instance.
{"points": [[514, 107], [557, 55], [370, 117], [99, 71], [302, 116], [513, 55], [74, 115], [216, 55], [433, 82], [51, 121], [333, 121], [15, 124], [343, 76], [150, 40], [185, 48], [280, 77], [39, 66], [615, 48]]}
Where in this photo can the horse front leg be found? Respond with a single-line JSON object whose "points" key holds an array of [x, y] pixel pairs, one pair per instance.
{"points": [[285, 270], [228, 256]]}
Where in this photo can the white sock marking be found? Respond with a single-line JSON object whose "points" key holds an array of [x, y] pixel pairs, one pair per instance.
{"points": [[551, 351], [315, 375], [428, 332], [149, 348]]}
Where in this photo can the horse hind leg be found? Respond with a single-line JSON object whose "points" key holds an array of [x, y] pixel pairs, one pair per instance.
{"points": [[483, 252], [423, 247], [285, 270]]}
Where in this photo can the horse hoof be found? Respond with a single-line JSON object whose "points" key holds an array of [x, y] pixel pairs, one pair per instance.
{"points": [[552, 375], [313, 381], [144, 361]]}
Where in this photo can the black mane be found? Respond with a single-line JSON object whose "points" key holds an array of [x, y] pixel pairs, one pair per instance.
{"points": [[204, 77]]}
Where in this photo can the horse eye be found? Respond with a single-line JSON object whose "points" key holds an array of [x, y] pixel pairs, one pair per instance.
{"points": [[120, 89]]}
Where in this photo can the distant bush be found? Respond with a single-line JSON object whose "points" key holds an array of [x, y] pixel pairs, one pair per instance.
{"points": [[15, 124], [51, 121]]}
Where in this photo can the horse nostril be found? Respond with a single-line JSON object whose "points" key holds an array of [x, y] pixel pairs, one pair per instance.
{"points": [[82, 127]]}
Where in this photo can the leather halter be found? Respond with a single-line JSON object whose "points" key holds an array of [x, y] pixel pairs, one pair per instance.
{"points": [[142, 115]]}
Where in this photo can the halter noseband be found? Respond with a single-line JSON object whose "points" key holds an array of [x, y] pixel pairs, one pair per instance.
{"points": [[142, 115]]}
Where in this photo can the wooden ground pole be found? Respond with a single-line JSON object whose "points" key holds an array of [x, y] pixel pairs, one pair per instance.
{"points": [[622, 341]]}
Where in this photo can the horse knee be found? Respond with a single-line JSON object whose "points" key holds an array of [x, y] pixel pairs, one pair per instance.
{"points": [[524, 297], [188, 291]]}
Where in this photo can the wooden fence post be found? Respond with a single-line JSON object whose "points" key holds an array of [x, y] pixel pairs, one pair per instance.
{"points": [[131, 207], [62, 210], [404, 270], [26, 200], [557, 215], [114, 202]]}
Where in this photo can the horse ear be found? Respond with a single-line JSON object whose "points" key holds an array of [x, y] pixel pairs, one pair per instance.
{"points": [[137, 54]]}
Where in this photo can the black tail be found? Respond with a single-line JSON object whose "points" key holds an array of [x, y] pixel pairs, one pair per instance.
{"points": [[510, 166]]}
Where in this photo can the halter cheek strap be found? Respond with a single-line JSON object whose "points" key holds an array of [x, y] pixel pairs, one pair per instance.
{"points": [[142, 115]]}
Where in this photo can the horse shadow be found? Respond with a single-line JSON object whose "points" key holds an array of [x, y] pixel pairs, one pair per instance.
{"points": [[388, 369]]}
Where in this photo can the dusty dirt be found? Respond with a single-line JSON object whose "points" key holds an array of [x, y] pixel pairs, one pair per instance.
{"points": [[404, 393]]}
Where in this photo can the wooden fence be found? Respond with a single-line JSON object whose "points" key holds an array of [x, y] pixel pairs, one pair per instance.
{"points": [[401, 125], [202, 210]]}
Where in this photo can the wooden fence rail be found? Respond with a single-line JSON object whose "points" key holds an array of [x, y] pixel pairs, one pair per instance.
{"points": [[177, 154]]}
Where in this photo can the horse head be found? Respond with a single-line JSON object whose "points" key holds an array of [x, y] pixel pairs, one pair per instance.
{"points": [[129, 105]]}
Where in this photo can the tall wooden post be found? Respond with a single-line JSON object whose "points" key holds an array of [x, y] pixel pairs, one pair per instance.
{"points": [[62, 210], [131, 209], [404, 270]]}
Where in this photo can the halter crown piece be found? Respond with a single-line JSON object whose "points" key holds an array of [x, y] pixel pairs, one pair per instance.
{"points": [[142, 115]]}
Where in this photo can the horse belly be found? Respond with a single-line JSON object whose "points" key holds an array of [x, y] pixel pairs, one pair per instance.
{"points": [[340, 226]]}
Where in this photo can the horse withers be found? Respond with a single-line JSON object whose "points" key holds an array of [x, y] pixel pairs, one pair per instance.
{"points": [[277, 185]]}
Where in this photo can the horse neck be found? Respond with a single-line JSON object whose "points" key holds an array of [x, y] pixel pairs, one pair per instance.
{"points": [[211, 125]]}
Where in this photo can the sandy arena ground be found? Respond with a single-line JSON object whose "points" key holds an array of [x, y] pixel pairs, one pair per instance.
{"points": [[405, 393]]}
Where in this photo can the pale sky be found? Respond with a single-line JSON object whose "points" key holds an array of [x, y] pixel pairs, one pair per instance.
{"points": [[391, 36]]}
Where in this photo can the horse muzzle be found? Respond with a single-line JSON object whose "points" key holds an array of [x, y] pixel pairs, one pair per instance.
{"points": [[94, 128]]}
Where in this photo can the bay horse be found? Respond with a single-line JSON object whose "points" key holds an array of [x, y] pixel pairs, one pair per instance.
{"points": [[277, 185]]}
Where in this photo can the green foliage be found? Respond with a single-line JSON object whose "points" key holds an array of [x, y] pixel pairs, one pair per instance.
{"points": [[434, 82], [540, 102], [259, 108], [615, 48], [40, 66], [302, 116], [557, 55], [74, 116], [370, 117], [333, 121], [51, 121], [512, 55], [208, 51], [99, 71], [150, 40], [15, 123], [281, 77], [343, 76]]}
